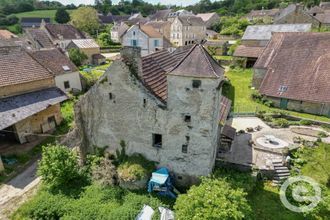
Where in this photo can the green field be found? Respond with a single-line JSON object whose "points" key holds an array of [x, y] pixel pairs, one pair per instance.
{"points": [[40, 13], [240, 92]]}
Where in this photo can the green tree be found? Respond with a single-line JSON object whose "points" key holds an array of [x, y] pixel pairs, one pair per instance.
{"points": [[62, 16], [213, 199], [104, 39], [85, 19], [58, 166], [77, 57]]}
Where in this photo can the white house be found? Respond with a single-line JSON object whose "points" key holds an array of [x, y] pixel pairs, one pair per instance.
{"points": [[145, 37], [117, 31], [67, 77]]}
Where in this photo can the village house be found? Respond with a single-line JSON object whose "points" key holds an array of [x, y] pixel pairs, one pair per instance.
{"points": [[33, 22], [160, 15], [267, 16], [321, 13], [144, 37], [117, 31], [29, 99], [113, 19], [39, 39], [163, 27], [67, 76], [165, 106], [62, 34], [180, 13], [294, 74], [90, 48], [256, 37], [186, 30], [209, 18], [295, 14]]}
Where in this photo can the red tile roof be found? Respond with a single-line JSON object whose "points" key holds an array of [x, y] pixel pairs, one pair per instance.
{"points": [[248, 51], [298, 67]]}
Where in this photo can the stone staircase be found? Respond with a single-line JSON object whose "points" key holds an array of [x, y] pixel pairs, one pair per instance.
{"points": [[281, 172]]}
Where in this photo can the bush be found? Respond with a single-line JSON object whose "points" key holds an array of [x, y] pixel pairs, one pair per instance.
{"points": [[213, 199], [62, 16], [306, 122], [77, 57], [134, 168], [281, 122], [59, 166], [322, 134]]}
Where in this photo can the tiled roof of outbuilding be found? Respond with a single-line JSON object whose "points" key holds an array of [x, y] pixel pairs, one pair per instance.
{"points": [[16, 108], [248, 51], [297, 66]]}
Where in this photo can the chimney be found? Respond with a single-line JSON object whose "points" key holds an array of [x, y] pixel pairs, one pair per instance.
{"points": [[131, 56]]}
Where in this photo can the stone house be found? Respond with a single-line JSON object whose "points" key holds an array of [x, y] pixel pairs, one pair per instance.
{"points": [[39, 39], [62, 34], [161, 15], [165, 106], [88, 47], [321, 13], [256, 37], [117, 31], [29, 99], [295, 14], [186, 30], [267, 16], [209, 18], [144, 37], [295, 74], [67, 76], [180, 13], [163, 27]]}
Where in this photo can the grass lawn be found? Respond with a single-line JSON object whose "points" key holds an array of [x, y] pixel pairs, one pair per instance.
{"points": [[40, 13], [266, 204], [228, 58], [240, 93]]}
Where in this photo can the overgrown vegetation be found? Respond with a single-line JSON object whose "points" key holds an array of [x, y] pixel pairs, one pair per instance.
{"points": [[77, 57]]}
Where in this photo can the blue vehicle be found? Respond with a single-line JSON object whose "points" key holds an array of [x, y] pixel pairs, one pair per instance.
{"points": [[162, 182]]}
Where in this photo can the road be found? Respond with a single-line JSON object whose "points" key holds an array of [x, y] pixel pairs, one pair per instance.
{"points": [[18, 190]]}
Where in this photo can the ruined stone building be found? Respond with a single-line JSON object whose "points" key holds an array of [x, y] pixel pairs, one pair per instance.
{"points": [[165, 106]]}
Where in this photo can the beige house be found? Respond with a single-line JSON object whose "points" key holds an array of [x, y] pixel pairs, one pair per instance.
{"points": [[163, 27], [186, 30], [29, 99], [90, 48]]}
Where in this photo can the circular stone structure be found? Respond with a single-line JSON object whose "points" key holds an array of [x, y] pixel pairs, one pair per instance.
{"points": [[270, 142]]}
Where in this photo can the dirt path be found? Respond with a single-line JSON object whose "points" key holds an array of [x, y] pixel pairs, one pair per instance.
{"points": [[18, 190]]}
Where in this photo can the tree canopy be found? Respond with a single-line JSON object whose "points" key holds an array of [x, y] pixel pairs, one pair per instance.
{"points": [[77, 57], [212, 199], [62, 16], [85, 19]]}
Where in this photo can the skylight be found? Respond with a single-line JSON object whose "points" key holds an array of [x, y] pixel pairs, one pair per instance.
{"points": [[283, 88], [66, 68]]}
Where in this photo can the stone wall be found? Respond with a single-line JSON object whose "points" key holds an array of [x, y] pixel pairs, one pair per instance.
{"points": [[119, 108], [37, 123], [302, 106], [22, 88]]}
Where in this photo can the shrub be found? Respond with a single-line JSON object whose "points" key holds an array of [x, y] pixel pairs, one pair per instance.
{"points": [[62, 16], [322, 134], [213, 199], [77, 57], [59, 166], [105, 173], [305, 122], [135, 167], [281, 122]]}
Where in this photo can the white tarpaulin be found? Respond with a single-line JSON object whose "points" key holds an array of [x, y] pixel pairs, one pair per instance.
{"points": [[166, 214], [146, 213]]}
